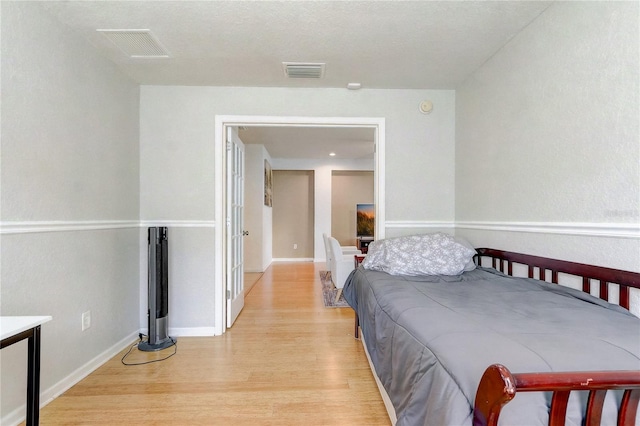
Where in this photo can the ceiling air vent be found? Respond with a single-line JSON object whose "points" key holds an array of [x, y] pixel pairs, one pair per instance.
{"points": [[136, 43], [303, 69]]}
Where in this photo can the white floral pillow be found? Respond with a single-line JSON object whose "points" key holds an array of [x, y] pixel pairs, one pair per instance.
{"points": [[428, 254]]}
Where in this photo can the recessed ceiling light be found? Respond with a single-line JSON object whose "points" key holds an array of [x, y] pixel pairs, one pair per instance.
{"points": [[332, 154], [354, 86]]}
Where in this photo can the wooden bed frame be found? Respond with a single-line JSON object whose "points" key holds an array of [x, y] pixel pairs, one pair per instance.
{"points": [[498, 385]]}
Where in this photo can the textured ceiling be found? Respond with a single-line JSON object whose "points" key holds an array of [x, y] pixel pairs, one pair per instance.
{"points": [[380, 44], [312, 142]]}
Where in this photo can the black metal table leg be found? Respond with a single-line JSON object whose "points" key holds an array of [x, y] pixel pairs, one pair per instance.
{"points": [[33, 378], [25, 328]]}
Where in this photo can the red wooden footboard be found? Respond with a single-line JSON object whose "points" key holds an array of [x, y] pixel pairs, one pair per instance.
{"points": [[498, 386]]}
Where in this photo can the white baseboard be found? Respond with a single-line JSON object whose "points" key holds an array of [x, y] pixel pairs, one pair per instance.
{"points": [[192, 331], [18, 415], [187, 331], [294, 259]]}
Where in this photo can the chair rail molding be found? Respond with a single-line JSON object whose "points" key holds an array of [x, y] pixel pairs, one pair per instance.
{"points": [[419, 224], [179, 223], [611, 230], [25, 227]]}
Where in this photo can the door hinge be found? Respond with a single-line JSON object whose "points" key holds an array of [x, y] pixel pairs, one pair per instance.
{"points": [[228, 145], [228, 294]]}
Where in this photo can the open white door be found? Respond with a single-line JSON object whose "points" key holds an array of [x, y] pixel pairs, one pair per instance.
{"points": [[235, 224]]}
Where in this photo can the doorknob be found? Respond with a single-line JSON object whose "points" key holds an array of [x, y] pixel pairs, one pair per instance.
{"points": [[245, 233]]}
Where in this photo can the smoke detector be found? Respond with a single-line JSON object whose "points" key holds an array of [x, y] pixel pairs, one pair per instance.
{"points": [[303, 69], [426, 107], [136, 43]]}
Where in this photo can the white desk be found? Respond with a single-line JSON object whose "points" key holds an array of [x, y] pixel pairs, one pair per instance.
{"points": [[13, 330]]}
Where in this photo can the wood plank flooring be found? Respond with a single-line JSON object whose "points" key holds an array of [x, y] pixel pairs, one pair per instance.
{"points": [[250, 279], [287, 360]]}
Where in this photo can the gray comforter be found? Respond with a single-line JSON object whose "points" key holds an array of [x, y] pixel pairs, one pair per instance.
{"points": [[430, 339]]}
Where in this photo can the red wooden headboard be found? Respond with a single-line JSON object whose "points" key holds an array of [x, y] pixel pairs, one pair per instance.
{"points": [[504, 260]]}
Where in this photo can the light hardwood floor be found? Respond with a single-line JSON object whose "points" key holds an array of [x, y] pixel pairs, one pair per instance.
{"points": [[250, 279], [287, 360]]}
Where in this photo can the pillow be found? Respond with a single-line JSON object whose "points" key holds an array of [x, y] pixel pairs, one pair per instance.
{"points": [[428, 254], [471, 265]]}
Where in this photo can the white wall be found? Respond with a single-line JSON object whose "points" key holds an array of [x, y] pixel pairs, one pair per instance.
{"points": [[69, 196], [177, 131], [547, 136], [267, 236]]}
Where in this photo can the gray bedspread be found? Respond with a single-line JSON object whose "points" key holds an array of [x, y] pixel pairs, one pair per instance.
{"points": [[430, 339]]}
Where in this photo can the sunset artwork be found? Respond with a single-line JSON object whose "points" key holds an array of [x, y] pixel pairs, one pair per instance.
{"points": [[365, 220]]}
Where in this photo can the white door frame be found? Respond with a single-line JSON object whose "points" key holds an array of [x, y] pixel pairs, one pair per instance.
{"points": [[223, 121]]}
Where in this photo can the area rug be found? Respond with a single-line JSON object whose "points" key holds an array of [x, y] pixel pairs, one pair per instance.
{"points": [[329, 292]]}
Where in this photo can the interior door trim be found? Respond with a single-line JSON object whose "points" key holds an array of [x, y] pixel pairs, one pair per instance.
{"points": [[224, 121]]}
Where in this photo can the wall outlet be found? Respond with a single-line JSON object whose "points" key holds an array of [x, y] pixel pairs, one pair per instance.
{"points": [[86, 320], [295, 247]]}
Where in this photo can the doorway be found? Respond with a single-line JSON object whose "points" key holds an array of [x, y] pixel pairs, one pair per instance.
{"points": [[349, 188], [293, 215], [222, 122]]}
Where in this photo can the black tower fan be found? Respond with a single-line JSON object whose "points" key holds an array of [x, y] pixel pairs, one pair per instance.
{"points": [[158, 313]]}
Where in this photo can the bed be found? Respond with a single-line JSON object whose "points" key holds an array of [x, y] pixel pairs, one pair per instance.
{"points": [[481, 346]]}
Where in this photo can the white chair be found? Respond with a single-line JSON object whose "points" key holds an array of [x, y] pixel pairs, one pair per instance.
{"points": [[341, 265], [347, 251]]}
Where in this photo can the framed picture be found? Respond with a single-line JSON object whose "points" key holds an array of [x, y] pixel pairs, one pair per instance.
{"points": [[268, 184], [365, 220]]}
